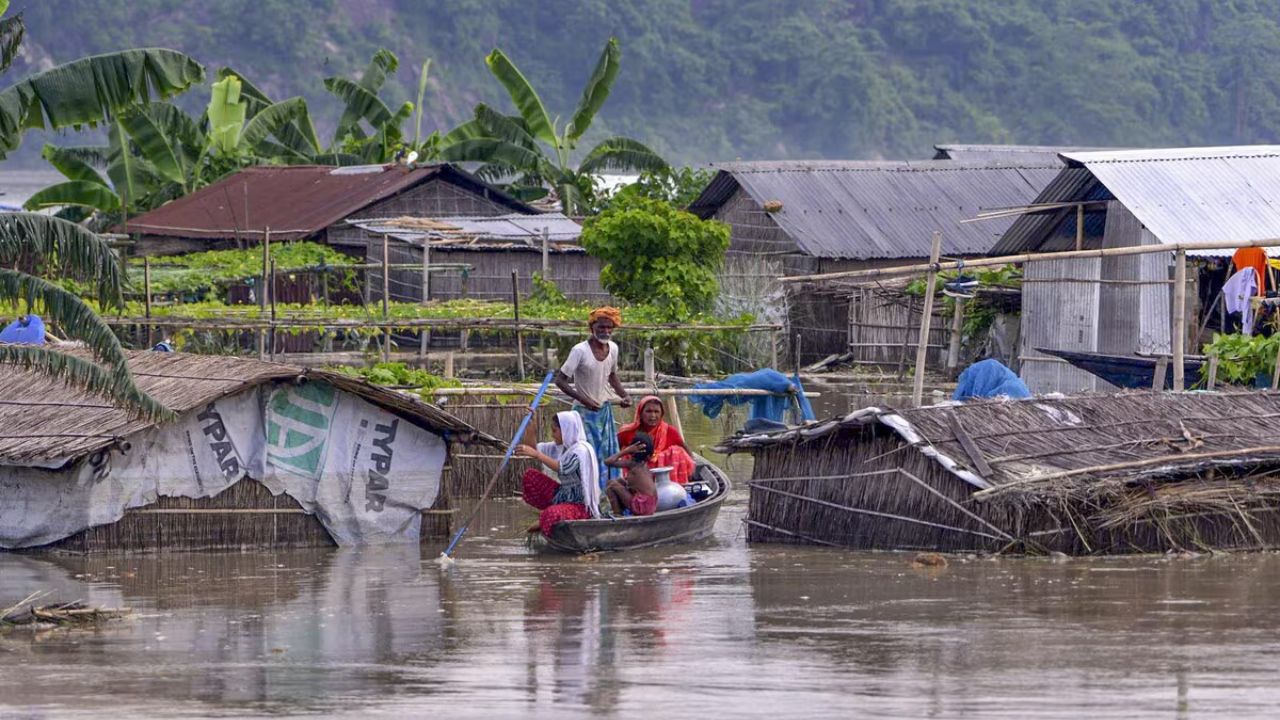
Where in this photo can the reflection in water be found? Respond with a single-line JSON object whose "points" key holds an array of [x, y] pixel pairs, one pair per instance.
{"points": [[717, 629]]}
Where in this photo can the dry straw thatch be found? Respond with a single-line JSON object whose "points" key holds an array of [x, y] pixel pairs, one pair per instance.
{"points": [[1097, 473]]}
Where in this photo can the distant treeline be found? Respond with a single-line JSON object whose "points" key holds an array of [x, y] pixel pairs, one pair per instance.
{"points": [[723, 79]]}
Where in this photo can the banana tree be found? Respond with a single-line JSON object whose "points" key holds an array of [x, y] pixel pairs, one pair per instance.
{"points": [[361, 103], [87, 91], [157, 152], [533, 152]]}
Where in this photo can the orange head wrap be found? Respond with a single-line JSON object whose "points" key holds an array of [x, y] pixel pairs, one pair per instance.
{"points": [[606, 313]]}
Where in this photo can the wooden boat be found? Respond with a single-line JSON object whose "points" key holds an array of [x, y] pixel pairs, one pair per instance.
{"points": [[633, 533], [1127, 371]]}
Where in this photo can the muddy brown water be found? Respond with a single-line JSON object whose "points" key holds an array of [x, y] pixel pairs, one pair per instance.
{"points": [[712, 630]]}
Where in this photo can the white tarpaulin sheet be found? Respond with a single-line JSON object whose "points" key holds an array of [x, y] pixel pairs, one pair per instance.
{"points": [[366, 473]]}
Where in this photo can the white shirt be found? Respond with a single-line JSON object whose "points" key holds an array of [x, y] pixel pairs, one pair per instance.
{"points": [[591, 376]]}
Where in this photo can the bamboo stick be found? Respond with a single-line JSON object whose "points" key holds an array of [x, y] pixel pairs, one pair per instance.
{"points": [[874, 513], [926, 316], [661, 392], [1129, 465], [1032, 257], [953, 347], [146, 281], [515, 305], [1179, 321]]}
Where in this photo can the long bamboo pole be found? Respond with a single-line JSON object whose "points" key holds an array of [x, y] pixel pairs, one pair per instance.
{"points": [[1030, 257], [926, 316], [515, 305], [146, 281], [1179, 321]]}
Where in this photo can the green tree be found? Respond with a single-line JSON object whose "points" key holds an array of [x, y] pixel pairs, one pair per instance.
{"points": [[58, 248], [536, 152], [654, 253]]}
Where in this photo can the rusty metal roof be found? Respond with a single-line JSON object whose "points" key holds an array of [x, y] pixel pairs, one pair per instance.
{"points": [[296, 201], [864, 210]]}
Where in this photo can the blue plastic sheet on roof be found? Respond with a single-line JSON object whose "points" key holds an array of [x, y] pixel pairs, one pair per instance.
{"points": [[769, 407], [987, 379], [26, 330]]}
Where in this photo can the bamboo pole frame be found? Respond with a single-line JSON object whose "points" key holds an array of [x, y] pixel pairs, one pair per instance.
{"points": [[926, 317], [1029, 257], [1179, 321]]}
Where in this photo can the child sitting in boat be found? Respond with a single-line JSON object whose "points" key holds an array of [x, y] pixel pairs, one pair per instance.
{"points": [[577, 495], [638, 493]]}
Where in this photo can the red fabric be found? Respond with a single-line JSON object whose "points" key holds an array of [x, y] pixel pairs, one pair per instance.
{"points": [[668, 445], [538, 488], [560, 513], [644, 504], [675, 457], [1255, 258]]}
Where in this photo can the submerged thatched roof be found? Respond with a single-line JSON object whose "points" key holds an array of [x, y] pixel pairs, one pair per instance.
{"points": [[45, 420], [1045, 444]]}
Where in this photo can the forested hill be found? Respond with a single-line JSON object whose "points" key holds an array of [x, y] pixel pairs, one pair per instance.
{"points": [[722, 79]]}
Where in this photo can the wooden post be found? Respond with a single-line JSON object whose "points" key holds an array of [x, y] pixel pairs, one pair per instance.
{"points": [[271, 351], [673, 415], [146, 288], [953, 348], [386, 296], [424, 335], [1162, 368], [1211, 383], [1275, 373], [448, 364], [515, 304], [546, 253], [926, 315], [650, 370], [1179, 321], [773, 349], [263, 289], [1080, 226]]}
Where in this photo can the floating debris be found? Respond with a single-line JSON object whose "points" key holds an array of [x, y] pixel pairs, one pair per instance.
{"points": [[72, 614]]}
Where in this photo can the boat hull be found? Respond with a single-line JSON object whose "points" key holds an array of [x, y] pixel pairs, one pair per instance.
{"points": [[1127, 371], [634, 533]]}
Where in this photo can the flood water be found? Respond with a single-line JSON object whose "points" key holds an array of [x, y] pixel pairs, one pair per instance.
{"points": [[713, 630]]}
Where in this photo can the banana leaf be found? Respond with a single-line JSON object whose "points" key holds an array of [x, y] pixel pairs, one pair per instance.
{"points": [[596, 91], [523, 95]]}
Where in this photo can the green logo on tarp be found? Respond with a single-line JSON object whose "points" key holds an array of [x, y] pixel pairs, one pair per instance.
{"points": [[298, 426]]}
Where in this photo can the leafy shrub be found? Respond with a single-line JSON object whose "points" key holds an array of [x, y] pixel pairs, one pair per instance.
{"points": [[1242, 358], [656, 254]]}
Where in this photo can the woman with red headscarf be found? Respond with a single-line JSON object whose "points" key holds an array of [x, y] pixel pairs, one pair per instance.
{"points": [[669, 449]]}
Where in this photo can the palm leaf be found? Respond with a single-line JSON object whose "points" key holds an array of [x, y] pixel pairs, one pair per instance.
{"points": [[504, 127], [522, 94], [619, 153], [85, 193], [72, 250], [66, 310], [79, 372], [71, 164], [89, 90], [97, 156], [270, 120], [422, 94], [469, 130], [596, 91], [492, 150], [360, 102], [12, 29], [154, 145]]}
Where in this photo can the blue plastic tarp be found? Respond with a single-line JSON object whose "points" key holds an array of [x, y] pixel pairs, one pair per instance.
{"points": [[988, 379], [770, 407], [26, 330]]}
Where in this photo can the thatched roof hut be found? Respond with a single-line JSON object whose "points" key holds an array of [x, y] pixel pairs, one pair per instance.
{"points": [[261, 454], [1134, 472]]}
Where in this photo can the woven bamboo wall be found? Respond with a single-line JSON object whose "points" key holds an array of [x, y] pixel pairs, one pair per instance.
{"points": [[473, 467], [884, 328], [434, 198]]}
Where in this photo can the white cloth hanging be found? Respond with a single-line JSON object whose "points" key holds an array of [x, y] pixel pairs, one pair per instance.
{"points": [[1238, 294]]}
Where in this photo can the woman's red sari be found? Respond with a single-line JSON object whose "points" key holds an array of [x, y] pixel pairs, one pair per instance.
{"points": [[668, 446]]}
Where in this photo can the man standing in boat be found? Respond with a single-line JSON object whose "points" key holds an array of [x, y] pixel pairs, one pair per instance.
{"points": [[590, 376]]}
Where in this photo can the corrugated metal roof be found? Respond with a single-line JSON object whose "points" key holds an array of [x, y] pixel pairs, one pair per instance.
{"points": [[476, 232], [1033, 154], [865, 210], [295, 201], [1181, 195]]}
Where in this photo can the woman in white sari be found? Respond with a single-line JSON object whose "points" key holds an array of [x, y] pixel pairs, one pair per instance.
{"points": [[577, 494]]}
